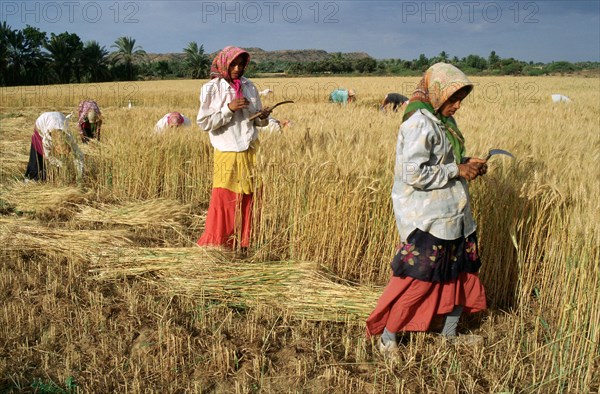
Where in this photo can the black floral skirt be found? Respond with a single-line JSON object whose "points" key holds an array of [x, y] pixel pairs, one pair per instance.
{"points": [[431, 259]]}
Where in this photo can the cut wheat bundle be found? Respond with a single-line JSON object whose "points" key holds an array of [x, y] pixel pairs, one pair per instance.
{"points": [[38, 197], [150, 213], [29, 236], [213, 274]]}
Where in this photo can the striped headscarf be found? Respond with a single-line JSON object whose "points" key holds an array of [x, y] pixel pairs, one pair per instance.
{"points": [[438, 84], [221, 63]]}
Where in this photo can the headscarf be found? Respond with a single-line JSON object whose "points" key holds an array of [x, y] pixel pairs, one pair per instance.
{"points": [[175, 119], [91, 115], [221, 63], [440, 82]]}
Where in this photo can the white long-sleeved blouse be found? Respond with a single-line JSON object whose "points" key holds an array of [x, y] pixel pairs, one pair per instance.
{"points": [[47, 122], [228, 131], [427, 193]]}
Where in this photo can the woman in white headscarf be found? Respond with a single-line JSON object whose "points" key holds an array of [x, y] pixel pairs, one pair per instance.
{"points": [[50, 134], [434, 272]]}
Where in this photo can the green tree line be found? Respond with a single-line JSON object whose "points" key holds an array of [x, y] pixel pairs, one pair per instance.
{"points": [[471, 65], [30, 57]]}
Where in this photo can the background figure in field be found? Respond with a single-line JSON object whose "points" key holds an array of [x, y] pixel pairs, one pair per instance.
{"points": [[226, 104], [172, 120], [342, 96], [435, 270], [51, 138], [90, 120], [265, 92], [396, 100], [275, 125], [560, 98]]}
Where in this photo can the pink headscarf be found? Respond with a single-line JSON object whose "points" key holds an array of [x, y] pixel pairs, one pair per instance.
{"points": [[221, 63], [175, 119]]}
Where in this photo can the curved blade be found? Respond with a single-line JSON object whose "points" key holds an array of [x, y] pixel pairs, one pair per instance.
{"points": [[256, 115], [493, 152], [282, 102]]}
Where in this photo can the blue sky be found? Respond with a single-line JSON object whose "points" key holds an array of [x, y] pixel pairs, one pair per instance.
{"points": [[527, 30]]}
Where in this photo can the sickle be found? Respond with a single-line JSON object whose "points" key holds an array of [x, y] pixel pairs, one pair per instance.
{"points": [[256, 115], [493, 152]]}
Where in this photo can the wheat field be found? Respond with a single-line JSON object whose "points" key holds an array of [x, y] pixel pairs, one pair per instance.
{"points": [[103, 289]]}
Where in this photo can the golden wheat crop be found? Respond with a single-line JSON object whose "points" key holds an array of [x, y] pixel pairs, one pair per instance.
{"points": [[325, 199]]}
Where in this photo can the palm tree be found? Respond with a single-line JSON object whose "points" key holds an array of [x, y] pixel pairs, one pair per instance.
{"points": [[443, 56], [65, 51], [493, 60], [197, 62], [128, 53], [5, 33], [14, 52], [35, 61], [95, 62], [21, 58]]}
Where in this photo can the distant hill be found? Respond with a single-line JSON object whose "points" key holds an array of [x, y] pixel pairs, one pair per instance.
{"points": [[259, 55], [157, 57]]}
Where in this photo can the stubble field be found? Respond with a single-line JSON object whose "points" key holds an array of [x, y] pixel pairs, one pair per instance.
{"points": [[104, 290]]}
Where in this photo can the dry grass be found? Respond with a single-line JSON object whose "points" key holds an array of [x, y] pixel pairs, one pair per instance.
{"points": [[101, 283], [202, 273]]}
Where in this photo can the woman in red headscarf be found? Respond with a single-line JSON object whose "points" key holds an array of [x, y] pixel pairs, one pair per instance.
{"points": [[226, 104]]}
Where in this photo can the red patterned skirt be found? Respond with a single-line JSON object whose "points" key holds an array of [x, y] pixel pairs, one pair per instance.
{"points": [[430, 276], [408, 304]]}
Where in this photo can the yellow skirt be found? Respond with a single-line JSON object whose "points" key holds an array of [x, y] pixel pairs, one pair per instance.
{"points": [[235, 171]]}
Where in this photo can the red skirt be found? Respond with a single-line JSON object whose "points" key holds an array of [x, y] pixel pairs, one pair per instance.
{"points": [[228, 219], [409, 304]]}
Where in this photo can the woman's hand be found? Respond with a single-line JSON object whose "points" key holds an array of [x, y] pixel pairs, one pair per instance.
{"points": [[264, 113], [238, 103], [472, 168]]}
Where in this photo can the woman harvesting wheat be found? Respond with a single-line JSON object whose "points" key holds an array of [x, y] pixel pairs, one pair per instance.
{"points": [[435, 268], [226, 104], [90, 120], [50, 142]]}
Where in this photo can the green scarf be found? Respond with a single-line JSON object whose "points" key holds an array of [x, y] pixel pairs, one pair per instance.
{"points": [[452, 132]]}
